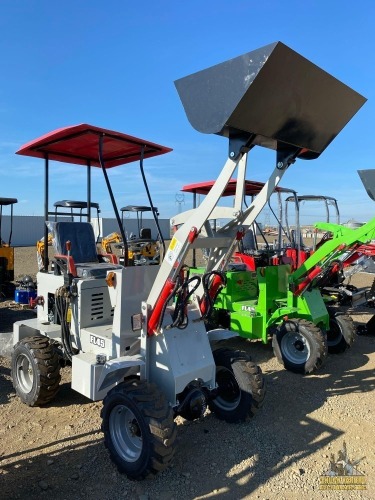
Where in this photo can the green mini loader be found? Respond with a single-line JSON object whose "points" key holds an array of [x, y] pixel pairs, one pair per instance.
{"points": [[275, 301], [258, 298]]}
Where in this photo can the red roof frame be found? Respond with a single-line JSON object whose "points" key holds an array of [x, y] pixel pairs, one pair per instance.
{"points": [[79, 144], [251, 188], [8, 201]]}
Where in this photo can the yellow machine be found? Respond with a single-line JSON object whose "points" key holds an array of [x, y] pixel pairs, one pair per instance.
{"points": [[140, 251], [6, 250], [40, 250], [144, 253], [108, 240], [142, 248]]}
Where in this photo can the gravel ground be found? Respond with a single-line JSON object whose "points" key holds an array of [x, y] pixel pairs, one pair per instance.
{"points": [[57, 451]]}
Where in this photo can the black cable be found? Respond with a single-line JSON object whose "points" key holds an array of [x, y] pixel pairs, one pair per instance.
{"points": [[67, 328], [170, 296], [183, 294], [58, 306], [210, 301], [62, 306], [60, 311]]}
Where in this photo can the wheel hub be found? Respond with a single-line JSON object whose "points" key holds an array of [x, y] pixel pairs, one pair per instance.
{"points": [[299, 345], [295, 348], [25, 373], [229, 393], [134, 429], [126, 433]]}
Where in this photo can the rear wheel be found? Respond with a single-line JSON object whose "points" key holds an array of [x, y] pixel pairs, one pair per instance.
{"points": [[240, 386], [139, 430], [300, 346], [341, 332], [35, 370]]}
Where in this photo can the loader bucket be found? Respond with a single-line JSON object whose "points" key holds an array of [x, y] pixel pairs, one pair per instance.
{"points": [[368, 180], [273, 93]]}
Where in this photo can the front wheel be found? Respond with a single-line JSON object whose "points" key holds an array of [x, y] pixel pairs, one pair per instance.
{"points": [[341, 332], [300, 346], [240, 386], [35, 370], [139, 430]]}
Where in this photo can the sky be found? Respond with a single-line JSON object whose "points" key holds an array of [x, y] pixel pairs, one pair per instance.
{"points": [[113, 64]]}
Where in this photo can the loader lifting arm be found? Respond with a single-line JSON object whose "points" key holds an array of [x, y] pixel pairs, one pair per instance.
{"points": [[344, 240], [223, 243], [246, 86]]}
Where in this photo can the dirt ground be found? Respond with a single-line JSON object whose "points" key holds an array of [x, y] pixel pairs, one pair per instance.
{"points": [[57, 451]]}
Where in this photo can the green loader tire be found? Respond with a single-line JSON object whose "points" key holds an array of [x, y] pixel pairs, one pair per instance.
{"points": [[300, 346]]}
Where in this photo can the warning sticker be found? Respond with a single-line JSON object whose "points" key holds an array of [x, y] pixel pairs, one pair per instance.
{"points": [[173, 251]]}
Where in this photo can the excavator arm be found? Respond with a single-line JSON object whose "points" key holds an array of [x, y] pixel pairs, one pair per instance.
{"points": [[108, 240]]}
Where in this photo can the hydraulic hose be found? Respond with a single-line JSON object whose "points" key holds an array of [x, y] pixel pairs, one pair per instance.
{"points": [[159, 312], [212, 282], [182, 290], [62, 306], [183, 294]]}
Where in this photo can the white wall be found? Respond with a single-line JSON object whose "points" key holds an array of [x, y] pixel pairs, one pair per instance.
{"points": [[28, 229]]}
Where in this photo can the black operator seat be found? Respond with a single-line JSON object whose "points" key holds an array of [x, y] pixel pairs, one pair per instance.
{"points": [[83, 249]]}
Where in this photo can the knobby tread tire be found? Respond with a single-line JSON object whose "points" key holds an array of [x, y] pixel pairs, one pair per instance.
{"points": [[250, 381], [343, 331], [317, 341], [44, 363], [159, 430]]}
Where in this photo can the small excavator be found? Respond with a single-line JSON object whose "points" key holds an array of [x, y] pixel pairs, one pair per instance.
{"points": [[143, 249]]}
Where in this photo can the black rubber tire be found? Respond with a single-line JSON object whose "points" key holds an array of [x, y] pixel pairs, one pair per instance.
{"points": [[35, 370], [151, 432], [341, 333], [241, 386], [300, 346]]}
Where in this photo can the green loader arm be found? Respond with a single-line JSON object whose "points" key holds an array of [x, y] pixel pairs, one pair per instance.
{"points": [[336, 229], [344, 239]]}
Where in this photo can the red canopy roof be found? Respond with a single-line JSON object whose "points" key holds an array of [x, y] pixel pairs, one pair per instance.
{"points": [[251, 188], [79, 144]]}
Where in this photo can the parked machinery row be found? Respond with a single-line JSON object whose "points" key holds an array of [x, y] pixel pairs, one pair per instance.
{"points": [[140, 338]]}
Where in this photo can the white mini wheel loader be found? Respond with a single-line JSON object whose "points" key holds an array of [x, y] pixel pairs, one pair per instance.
{"points": [[138, 336]]}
